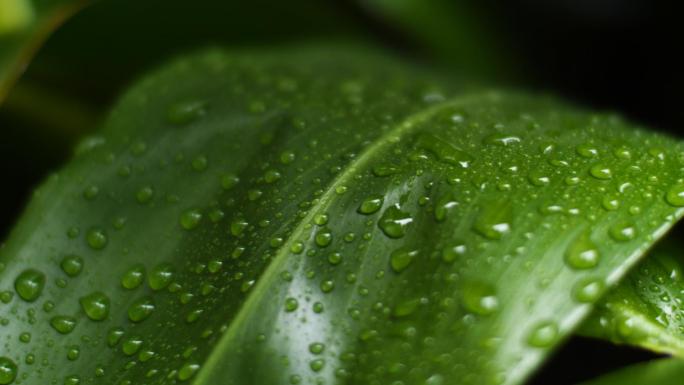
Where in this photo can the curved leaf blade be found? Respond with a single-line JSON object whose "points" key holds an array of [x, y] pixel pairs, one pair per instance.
{"points": [[305, 215], [662, 372], [645, 308]]}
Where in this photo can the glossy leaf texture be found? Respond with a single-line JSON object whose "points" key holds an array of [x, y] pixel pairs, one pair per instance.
{"points": [[306, 214], [645, 309], [661, 372], [24, 24]]}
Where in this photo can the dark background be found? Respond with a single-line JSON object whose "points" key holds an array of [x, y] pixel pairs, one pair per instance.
{"points": [[620, 55]]}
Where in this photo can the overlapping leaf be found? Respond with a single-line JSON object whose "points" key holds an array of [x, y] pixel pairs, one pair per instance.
{"points": [[309, 215]]}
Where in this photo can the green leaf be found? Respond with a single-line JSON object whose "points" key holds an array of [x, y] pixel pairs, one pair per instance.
{"points": [[661, 372], [645, 308], [325, 214], [24, 24]]}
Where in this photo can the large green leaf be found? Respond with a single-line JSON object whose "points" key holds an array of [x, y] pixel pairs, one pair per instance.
{"points": [[646, 308], [326, 215], [24, 24], [660, 372]]}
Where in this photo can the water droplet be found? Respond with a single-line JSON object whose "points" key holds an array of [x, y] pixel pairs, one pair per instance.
{"points": [[91, 192], [502, 139], [394, 222], [444, 206], [228, 181], [675, 195], [72, 265], [96, 238], [479, 298], [401, 258], [188, 370], [141, 309], [63, 324], [72, 380], [272, 176], [190, 219], [161, 276], [29, 284], [494, 220], [324, 237], [444, 151], [327, 286], [601, 171], [316, 348], [144, 195], [185, 112], [95, 305], [254, 194], [587, 150], [200, 163], [8, 371], [321, 219], [623, 231], [317, 364], [371, 205], [131, 345], [291, 304], [238, 226], [610, 203], [582, 253], [133, 277], [588, 290], [543, 334], [455, 250], [384, 169], [287, 157]]}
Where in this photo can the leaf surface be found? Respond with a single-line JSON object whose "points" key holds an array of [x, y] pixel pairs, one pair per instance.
{"points": [[645, 309], [310, 214]]}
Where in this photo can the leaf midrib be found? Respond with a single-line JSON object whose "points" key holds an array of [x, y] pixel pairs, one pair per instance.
{"points": [[402, 128]]}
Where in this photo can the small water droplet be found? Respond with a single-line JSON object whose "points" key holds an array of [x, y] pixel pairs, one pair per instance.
{"points": [[370, 205], [190, 219], [444, 151], [623, 231], [601, 171], [453, 251], [588, 290], [144, 195], [161, 276], [187, 371], [72, 265], [494, 220], [324, 237], [291, 304], [185, 112], [479, 298]]}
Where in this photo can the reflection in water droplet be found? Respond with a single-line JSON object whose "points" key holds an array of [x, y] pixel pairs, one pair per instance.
{"points": [[394, 222]]}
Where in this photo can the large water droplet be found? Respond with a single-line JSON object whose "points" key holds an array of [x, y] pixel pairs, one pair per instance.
{"points": [[675, 195], [601, 171], [29, 284], [582, 253], [133, 277], [161, 276], [479, 298], [95, 305], [63, 324], [394, 222], [494, 219], [401, 258], [141, 309], [8, 371]]}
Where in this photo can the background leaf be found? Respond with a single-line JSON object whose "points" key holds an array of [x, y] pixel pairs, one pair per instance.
{"points": [[661, 372], [24, 24], [305, 214], [645, 309]]}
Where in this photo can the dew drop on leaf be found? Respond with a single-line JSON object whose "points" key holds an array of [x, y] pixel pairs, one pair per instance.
{"points": [[588, 290], [63, 324], [479, 298], [190, 219], [371, 205], [133, 277], [185, 112], [96, 238], [8, 371], [582, 253], [95, 305], [601, 171], [141, 309], [494, 220], [72, 265], [543, 334], [160, 277], [394, 222], [622, 231], [675, 195], [291, 304], [401, 258], [29, 284]]}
